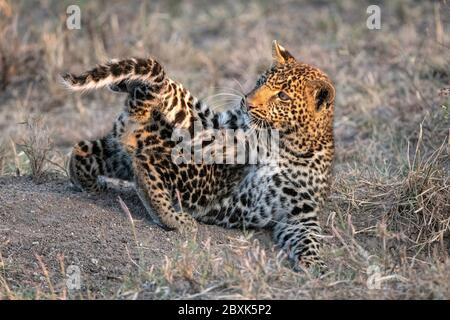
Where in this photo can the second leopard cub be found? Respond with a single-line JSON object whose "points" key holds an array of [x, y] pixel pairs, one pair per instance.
{"points": [[292, 98]]}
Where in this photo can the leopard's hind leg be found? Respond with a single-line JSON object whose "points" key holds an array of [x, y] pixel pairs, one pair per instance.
{"points": [[92, 159]]}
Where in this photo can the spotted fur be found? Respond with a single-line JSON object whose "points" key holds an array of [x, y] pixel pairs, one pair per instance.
{"points": [[292, 98]]}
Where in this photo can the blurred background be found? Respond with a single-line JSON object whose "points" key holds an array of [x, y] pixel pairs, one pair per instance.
{"points": [[392, 120], [384, 78]]}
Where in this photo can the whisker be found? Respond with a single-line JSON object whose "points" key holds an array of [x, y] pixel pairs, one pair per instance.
{"points": [[239, 84], [233, 91], [216, 106], [226, 94]]}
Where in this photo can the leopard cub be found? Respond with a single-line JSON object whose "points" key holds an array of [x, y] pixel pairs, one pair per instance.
{"points": [[292, 99]]}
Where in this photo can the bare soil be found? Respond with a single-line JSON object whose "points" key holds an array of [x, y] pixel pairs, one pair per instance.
{"points": [[52, 220]]}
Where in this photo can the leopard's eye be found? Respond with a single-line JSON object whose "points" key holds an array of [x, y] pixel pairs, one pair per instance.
{"points": [[283, 96]]}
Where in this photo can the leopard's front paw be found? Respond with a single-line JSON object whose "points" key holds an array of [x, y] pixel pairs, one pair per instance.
{"points": [[181, 222], [187, 224]]}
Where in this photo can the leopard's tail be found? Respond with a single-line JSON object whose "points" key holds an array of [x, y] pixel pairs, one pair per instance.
{"points": [[115, 73]]}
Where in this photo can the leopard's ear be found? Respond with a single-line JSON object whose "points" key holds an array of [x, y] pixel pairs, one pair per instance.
{"points": [[279, 54], [322, 93]]}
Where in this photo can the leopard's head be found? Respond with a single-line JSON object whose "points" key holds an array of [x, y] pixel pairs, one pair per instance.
{"points": [[292, 97]]}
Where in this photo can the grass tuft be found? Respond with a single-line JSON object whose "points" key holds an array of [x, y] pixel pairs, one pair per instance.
{"points": [[37, 146]]}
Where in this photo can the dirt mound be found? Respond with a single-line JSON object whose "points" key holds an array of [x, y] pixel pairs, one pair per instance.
{"points": [[61, 227]]}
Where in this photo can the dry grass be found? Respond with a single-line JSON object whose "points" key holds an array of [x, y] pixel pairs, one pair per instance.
{"points": [[388, 216], [37, 147], [3, 152]]}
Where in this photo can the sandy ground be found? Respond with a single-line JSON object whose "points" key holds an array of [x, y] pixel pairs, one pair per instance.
{"points": [[52, 220]]}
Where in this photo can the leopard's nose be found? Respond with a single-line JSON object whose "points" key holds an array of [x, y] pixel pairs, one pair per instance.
{"points": [[250, 106], [248, 103]]}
